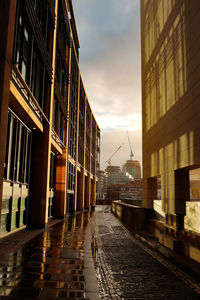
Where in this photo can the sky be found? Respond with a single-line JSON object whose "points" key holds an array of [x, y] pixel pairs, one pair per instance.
{"points": [[110, 64]]}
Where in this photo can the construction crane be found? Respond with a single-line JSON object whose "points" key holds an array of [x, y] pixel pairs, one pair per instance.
{"points": [[131, 154], [109, 160]]}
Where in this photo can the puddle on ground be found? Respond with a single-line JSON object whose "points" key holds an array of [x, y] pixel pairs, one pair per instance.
{"points": [[51, 265]]}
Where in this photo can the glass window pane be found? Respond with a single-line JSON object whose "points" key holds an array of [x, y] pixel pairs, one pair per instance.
{"points": [[7, 146], [18, 157]]}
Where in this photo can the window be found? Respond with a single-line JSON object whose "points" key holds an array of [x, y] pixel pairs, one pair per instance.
{"points": [[23, 51], [71, 177], [60, 73], [63, 28], [58, 119], [41, 9], [28, 57], [18, 148], [38, 78], [43, 15], [73, 106]]}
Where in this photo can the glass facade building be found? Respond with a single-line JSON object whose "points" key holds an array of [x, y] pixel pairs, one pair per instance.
{"points": [[171, 116], [49, 156]]}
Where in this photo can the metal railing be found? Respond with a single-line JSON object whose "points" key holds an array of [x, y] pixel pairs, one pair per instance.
{"points": [[56, 138], [26, 93]]}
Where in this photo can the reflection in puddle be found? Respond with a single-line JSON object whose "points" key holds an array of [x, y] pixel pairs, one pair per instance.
{"points": [[98, 263], [50, 265]]}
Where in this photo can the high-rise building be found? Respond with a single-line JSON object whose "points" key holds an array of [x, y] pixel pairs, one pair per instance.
{"points": [[49, 138], [132, 167], [170, 111]]}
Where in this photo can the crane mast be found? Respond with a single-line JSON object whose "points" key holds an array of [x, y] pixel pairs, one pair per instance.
{"points": [[131, 154]]}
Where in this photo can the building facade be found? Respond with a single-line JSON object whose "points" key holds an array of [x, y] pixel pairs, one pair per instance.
{"points": [[101, 187], [116, 176], [171, 113], [129, 193], [50, 140]]}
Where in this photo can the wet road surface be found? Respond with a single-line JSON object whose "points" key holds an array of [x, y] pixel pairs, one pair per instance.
{"points": [[129, 269], [53, 265], [59, 262]]}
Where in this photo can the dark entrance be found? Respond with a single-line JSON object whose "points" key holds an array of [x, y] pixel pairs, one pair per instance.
{"points": [[52, 185], [70, 203]]}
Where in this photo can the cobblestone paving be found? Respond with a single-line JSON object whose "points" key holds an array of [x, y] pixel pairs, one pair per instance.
{"points": [[127, 269], [53, 265]]}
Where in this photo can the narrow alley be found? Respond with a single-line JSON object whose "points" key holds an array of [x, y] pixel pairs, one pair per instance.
{"points": [[89, 256]]}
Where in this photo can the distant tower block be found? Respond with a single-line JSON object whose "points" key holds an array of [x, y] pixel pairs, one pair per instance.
{"points": [[133, 167]]}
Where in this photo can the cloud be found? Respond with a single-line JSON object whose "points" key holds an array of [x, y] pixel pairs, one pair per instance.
{"points": [[110, 54], [108, 122], [109, 34]]}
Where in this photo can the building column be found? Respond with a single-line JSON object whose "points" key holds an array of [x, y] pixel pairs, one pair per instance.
{"points": [[39, 185], [80, 190], [61, 185], [149, 191], [78, 183], [175, 217], [175, 193], [41, 157], [87, 192], [93, 193], [7, 25]]}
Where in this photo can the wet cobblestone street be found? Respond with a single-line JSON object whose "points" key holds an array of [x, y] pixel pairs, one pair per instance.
{"points": [[58, 263], [127, 269]]}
